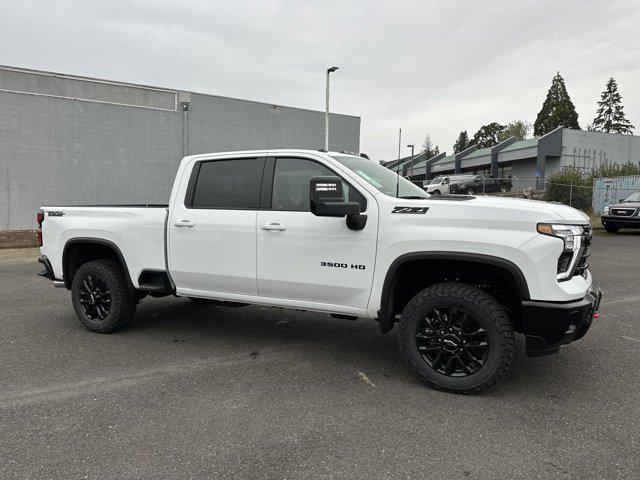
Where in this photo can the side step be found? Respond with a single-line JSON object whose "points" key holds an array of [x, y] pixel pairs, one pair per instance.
{"points": [[156, 283]]}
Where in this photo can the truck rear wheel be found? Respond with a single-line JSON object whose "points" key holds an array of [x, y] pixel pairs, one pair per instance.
{"points": [[456, 337], [101, 297]]}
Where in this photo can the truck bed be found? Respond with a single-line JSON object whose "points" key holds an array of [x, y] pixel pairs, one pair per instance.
{"points": [[137, 231]]}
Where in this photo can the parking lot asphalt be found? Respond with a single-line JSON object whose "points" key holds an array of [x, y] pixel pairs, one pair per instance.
{"points": [[211, 392]]}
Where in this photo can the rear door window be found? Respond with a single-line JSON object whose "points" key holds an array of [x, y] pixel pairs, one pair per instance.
{"points": [[232, 184]]}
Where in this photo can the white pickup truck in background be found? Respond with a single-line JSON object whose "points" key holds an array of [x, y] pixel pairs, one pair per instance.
{"points": [[337, 233]]}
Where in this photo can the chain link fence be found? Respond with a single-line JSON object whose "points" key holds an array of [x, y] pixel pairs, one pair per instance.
{"points": [[603, 191]]}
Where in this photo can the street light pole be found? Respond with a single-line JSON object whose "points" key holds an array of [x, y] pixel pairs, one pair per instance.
{"points": [[326, 114]]}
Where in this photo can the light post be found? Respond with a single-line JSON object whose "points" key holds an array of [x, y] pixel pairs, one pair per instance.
{"points": [[326, 114]]}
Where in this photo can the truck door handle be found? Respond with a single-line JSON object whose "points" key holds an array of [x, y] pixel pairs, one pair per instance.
{"points": [[273, 227], [184, 223]]}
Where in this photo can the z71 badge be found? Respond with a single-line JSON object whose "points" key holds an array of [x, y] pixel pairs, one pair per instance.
{"points": [[418, 210]]}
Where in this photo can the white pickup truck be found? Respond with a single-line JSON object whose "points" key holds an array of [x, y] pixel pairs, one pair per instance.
{"points": [[340, 234]]}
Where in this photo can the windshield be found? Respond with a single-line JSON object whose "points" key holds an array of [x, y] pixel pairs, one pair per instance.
{"points": [[383, 179], [436, 180], [634, 197]]}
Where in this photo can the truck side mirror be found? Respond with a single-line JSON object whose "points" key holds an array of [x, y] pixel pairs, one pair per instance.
{"points": [[327, 200]]}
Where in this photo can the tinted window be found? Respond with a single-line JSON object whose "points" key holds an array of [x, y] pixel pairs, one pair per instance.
{"points": [[291, 184], [381, 177], [229, 184]]}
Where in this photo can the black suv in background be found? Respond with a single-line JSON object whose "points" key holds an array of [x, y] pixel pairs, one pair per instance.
{"points": [[480, 184], [625, 214]]}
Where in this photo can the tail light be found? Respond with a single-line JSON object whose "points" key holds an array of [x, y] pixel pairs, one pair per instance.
{"points": [[39, 220]]}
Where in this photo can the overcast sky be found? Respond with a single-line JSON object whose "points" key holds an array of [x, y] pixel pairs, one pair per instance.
{"points": [[429, 67]]}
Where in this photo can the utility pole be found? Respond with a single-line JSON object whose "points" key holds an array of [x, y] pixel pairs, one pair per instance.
{"points": [[326, 114]]}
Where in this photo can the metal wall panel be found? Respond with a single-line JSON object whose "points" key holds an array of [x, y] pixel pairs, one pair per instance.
{"points": [[607, 191]]}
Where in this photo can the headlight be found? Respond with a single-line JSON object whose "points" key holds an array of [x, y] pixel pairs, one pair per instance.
{"points": [[571, 235], [606, 210]]}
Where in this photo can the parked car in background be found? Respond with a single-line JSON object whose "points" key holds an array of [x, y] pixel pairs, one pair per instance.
{"points": [[625, 214], [473, 184], [442, 185], [437, 186]]}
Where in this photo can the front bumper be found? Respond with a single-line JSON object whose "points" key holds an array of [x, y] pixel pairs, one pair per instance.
{"points": [[548, 325], [620, 221]]}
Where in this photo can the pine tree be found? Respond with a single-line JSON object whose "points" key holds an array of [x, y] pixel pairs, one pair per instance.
{"points": [[609, 116], [461, 143], [557, 110], [428, 148]]}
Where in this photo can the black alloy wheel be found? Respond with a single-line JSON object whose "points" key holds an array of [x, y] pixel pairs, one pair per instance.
{"points": [[456, 337], [101, 296], [452, 342], [95, 297]]}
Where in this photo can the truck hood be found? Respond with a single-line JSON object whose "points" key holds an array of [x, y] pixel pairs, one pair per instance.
{"points": [[512, 208], [564, 213]]}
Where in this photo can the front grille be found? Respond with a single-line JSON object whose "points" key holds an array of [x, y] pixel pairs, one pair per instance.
{"points": [[585, 251], [623, 212]]}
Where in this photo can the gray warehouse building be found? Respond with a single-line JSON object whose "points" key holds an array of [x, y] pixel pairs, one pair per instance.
{"points": [[75, 140], [527, 160]]}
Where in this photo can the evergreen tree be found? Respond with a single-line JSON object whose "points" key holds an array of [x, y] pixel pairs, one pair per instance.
{"points": [[488, 135], [461, 143], [610, 117], [428, 148], [557, 110]]}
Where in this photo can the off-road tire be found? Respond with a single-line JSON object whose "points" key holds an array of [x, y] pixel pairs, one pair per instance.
{"points": [[611, 229], [122, 304], [486, 311]]}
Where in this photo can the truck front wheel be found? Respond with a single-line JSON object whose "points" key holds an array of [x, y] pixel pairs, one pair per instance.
{"points": [[456, 337], [100, 296]]}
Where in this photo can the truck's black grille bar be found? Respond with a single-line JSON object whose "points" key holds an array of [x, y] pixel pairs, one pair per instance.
{"points": [[585, 251]]}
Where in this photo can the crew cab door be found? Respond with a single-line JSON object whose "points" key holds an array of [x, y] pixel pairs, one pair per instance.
{"points": [[212, 228], [307, 260]]}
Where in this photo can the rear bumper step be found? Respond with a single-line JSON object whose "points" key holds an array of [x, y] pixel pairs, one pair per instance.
{"points": [[48, 269]]}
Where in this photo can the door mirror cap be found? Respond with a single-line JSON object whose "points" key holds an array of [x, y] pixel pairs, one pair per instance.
{"points": [[327, 198]]}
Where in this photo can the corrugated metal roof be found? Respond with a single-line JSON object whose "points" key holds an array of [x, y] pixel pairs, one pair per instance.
{"points": [[529, 142], [478, 153], [447, 159]]}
